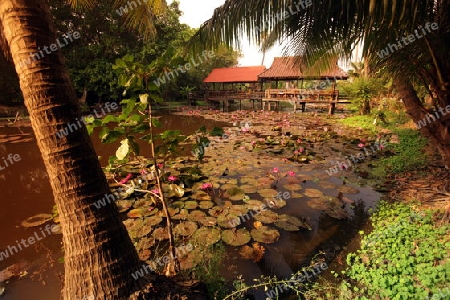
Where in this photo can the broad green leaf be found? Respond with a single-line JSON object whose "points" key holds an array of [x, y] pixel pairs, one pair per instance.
{"points": [[143, 98], [109, 118]]}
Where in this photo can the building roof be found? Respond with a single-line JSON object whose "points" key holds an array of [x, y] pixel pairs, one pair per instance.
{"points": [[235, 74], [284, 68]]}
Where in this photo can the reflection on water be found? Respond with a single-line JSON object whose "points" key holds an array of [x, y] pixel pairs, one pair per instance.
{"points": [[25, 191]]}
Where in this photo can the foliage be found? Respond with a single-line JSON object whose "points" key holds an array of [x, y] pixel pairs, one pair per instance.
{"points": [[409, 153], [208, 270], [404, 257], [363, 122], [362, 90]]}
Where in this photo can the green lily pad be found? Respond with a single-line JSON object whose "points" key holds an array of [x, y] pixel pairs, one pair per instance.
{"points": [[216, 211], [208, 221], [228, 220], [123, 205], [160, 234], [206, 236], [145, 243], [238, 209], [294, 221], [182, 215], [206, 204], [292, 187], [276, 203], [319, 203], [136, 213], [345, 189], [175, 191], [286, 226], [153, 220], [196, 215], [190, 205], [254, 204], [177, 204], [313, 193], [173, 211], [265, 234], [267, 217], [327, 185], [236, 237], [248, 189], [268, 193], [185, 228], [234, 194], [201, 196]]}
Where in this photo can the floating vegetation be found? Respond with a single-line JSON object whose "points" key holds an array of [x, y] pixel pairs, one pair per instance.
{"points": [[254, 253], [185, 228], [123, 205], [345, 189], [36, 220], [266, 217], [160, 234], [206, 236], [265, 234], [235, 237], [196, 215], [313, 193]]}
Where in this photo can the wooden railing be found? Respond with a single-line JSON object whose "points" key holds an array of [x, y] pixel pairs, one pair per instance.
{"points": [[301, 95]]}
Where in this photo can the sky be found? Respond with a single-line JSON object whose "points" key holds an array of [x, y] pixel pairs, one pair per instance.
{"points": [[195, 12]]}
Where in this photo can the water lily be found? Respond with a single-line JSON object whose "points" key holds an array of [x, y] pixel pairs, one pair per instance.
{"points": [[360, 145], [155, 191], [299, 141], [125, 180], [172, 178], [206, 186], [295, 152], [160, 165], [290, 173], [301, 149], [275, 170]]}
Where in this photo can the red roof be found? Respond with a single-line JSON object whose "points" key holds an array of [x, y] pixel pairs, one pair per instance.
{"points": [[285, 68], [235, 74]]}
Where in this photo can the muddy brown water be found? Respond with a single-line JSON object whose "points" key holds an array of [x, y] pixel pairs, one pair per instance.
{"points": [[25, 191]]}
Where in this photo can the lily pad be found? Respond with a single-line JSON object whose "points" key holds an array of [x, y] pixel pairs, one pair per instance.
{"points": [[275, 203], [160, 234], [265, 234], [190, 205], [229, 220], [319, 203], [145, 243], [185, 228], [36, 220], [175, 191], [208, 221], [248, 189], [286, 226], [327, 185], [236, 237], [177, 204], [201, 196], [313, 193], [123, 205], [292, 187], [182, 215], [153, 220], [206, 236], [254, 204], [268, 193], [254, 253], [216, 211], [206, 204], [238, 209], [345, 189], [196, 215], [294, 221], [267, 217]]}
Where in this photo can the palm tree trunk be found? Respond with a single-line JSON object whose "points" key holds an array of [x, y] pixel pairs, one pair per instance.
{"points": [[99, 255], [437, 129]]}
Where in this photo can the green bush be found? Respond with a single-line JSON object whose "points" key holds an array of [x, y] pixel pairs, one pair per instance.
{"points": [[404, 257]]}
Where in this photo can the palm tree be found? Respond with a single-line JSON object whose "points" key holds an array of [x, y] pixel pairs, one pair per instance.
{"points": [[99, 255], [407, 39]]}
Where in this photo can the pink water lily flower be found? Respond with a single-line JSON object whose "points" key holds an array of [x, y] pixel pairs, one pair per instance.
{"points": [[155, 191], [125, 180], [206, 186], [360, 145], [160, 165], [301, 149], [296, 152], [291, 174], [275, 170], [172, 178], [299, 141]]}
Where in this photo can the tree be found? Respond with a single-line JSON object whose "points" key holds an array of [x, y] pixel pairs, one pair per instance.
{"points": [[409, 40], [99, 255]]}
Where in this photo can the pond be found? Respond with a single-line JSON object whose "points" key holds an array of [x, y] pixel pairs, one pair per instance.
{"points": [[235, 161]]}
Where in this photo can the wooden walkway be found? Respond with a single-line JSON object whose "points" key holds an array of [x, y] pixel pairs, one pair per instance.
{"points": [[269, 97]]}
